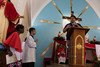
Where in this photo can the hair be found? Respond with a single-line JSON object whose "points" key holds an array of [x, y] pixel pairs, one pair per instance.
{"points": [[31, 29], [19, 26], [9, 0], [74, 16]]}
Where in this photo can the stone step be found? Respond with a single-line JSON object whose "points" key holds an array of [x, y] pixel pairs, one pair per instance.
{"points": [[65, 65], [57, 65]]}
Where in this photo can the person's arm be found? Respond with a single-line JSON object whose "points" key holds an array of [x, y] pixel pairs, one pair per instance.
{"points": [[17, 20], [21, 16], [31, 42], [8, 51], [76, 25], [65, 28], [79, 25]]}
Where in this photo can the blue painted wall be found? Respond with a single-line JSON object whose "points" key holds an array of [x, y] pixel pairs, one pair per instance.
{"points": [[46, 32]]}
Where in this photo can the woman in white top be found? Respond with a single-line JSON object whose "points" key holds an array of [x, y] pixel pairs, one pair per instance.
{"points": [[28, 58]]}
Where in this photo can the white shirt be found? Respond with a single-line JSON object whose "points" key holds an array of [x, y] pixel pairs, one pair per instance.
{"points": [[29, 50], [18, 54]]}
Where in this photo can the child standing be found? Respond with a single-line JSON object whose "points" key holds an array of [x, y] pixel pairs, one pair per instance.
{"points": [[29, 50]]}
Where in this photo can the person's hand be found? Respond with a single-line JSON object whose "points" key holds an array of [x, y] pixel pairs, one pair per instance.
{"points": [[10, 53], [36, 40], [21, 16], [69, 26]]}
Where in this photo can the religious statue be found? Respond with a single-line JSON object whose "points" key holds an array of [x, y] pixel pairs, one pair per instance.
{"points": [[9, 18], [61, 54]]}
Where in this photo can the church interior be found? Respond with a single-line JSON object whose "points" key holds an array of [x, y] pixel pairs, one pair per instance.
{"points": [[49, 17]]}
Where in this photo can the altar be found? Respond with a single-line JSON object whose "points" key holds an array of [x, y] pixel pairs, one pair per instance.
{"points": [[92, 51]]}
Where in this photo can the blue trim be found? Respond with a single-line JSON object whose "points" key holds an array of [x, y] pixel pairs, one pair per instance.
{"points": [[1, 46]]}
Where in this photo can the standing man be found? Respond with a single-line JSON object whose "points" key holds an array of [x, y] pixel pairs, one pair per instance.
{"points": [[67, 29], [71, 24], [29, 57]]}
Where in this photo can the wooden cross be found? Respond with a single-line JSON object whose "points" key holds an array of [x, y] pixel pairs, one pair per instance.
{"points": [[72, 14]]}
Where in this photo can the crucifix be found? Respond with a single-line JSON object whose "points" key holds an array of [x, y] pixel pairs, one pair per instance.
{"points": [[72, 14], [66, 17]]}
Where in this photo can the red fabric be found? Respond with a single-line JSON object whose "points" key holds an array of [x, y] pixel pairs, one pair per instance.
{"points": [[11, 28], [60, 41], [1, 2], [61, 51], [90, 46], [14, 41], [11, 14]]}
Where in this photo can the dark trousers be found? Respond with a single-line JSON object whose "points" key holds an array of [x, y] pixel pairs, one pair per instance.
{"points": [[29, 64]]}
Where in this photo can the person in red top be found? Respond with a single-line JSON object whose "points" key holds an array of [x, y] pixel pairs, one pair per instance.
{"points": [[61, 53], [13, 42]]}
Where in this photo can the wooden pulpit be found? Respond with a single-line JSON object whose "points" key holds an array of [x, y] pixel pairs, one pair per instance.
{"points": [[77, 54]]}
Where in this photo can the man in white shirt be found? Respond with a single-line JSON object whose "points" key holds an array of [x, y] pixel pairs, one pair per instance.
{"points": [[28, 57]]}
